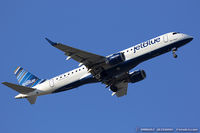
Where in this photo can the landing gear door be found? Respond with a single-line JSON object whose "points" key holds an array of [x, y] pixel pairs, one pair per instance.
{"points": [[51, 83], [165, 38]]}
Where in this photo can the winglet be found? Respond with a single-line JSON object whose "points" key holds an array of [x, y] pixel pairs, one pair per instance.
{"points": [[51, 42]]}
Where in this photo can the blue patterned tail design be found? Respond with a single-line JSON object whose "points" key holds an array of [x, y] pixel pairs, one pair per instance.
{"points": [[26, 78]]}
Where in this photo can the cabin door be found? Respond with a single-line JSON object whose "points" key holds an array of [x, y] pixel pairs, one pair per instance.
{"points": [[51, 83], [165, 38]]}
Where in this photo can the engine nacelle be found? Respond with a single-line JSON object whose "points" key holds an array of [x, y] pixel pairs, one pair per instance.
{"points": [[137, 76], [115, 59]]}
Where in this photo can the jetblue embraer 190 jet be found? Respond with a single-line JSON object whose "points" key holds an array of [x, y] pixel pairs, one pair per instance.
{"points": [[112, 70]]}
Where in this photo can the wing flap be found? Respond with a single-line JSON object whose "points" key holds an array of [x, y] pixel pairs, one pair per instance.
{"points": [[121, 92], [122, 88]]}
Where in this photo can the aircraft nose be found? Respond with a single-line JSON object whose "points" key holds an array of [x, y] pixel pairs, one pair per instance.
{"points": [[188, 38]]}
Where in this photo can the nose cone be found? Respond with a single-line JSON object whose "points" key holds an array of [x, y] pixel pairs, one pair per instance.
{"points": [[187, 38], [190, 38]]}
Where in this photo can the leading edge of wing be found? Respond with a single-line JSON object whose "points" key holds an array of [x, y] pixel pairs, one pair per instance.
{"points": [[77, 54], [66, 46]]}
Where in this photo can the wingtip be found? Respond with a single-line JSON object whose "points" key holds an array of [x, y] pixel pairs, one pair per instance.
{"points": [[4, 83], [51, 42]]}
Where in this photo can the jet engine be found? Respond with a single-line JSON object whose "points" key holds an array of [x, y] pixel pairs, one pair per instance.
{"points": [[137, 76], [115, 59]]}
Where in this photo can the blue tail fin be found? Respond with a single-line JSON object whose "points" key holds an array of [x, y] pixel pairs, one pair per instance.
{"points": [[26, 78]]}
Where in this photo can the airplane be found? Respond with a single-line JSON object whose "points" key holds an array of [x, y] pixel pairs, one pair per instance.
{"points": [[112, 70]]}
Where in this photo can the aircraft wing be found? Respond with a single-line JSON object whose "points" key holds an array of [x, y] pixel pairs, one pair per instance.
{"points": [[121, 89], [86, 58]]}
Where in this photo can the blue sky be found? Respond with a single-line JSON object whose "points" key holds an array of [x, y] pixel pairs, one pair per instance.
{"points": [[168, 97]]}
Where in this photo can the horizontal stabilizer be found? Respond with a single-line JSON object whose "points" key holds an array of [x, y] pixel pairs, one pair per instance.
{"points": [[19, 88]]}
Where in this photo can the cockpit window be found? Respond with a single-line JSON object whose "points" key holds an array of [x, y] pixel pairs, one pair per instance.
{"points": [[175, 33]]}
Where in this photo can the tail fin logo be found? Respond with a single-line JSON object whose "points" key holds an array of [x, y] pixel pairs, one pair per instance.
{"points": [[26, 78], [28, 82]]}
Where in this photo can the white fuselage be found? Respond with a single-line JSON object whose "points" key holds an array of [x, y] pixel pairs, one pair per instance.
{"points": [[151, 48]]}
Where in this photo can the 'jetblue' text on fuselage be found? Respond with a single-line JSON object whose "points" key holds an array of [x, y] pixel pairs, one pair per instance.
{"points": [[146, 44]]}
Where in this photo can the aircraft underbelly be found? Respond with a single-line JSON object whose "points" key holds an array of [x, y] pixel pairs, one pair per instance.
{"points": [[76, 83]]}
